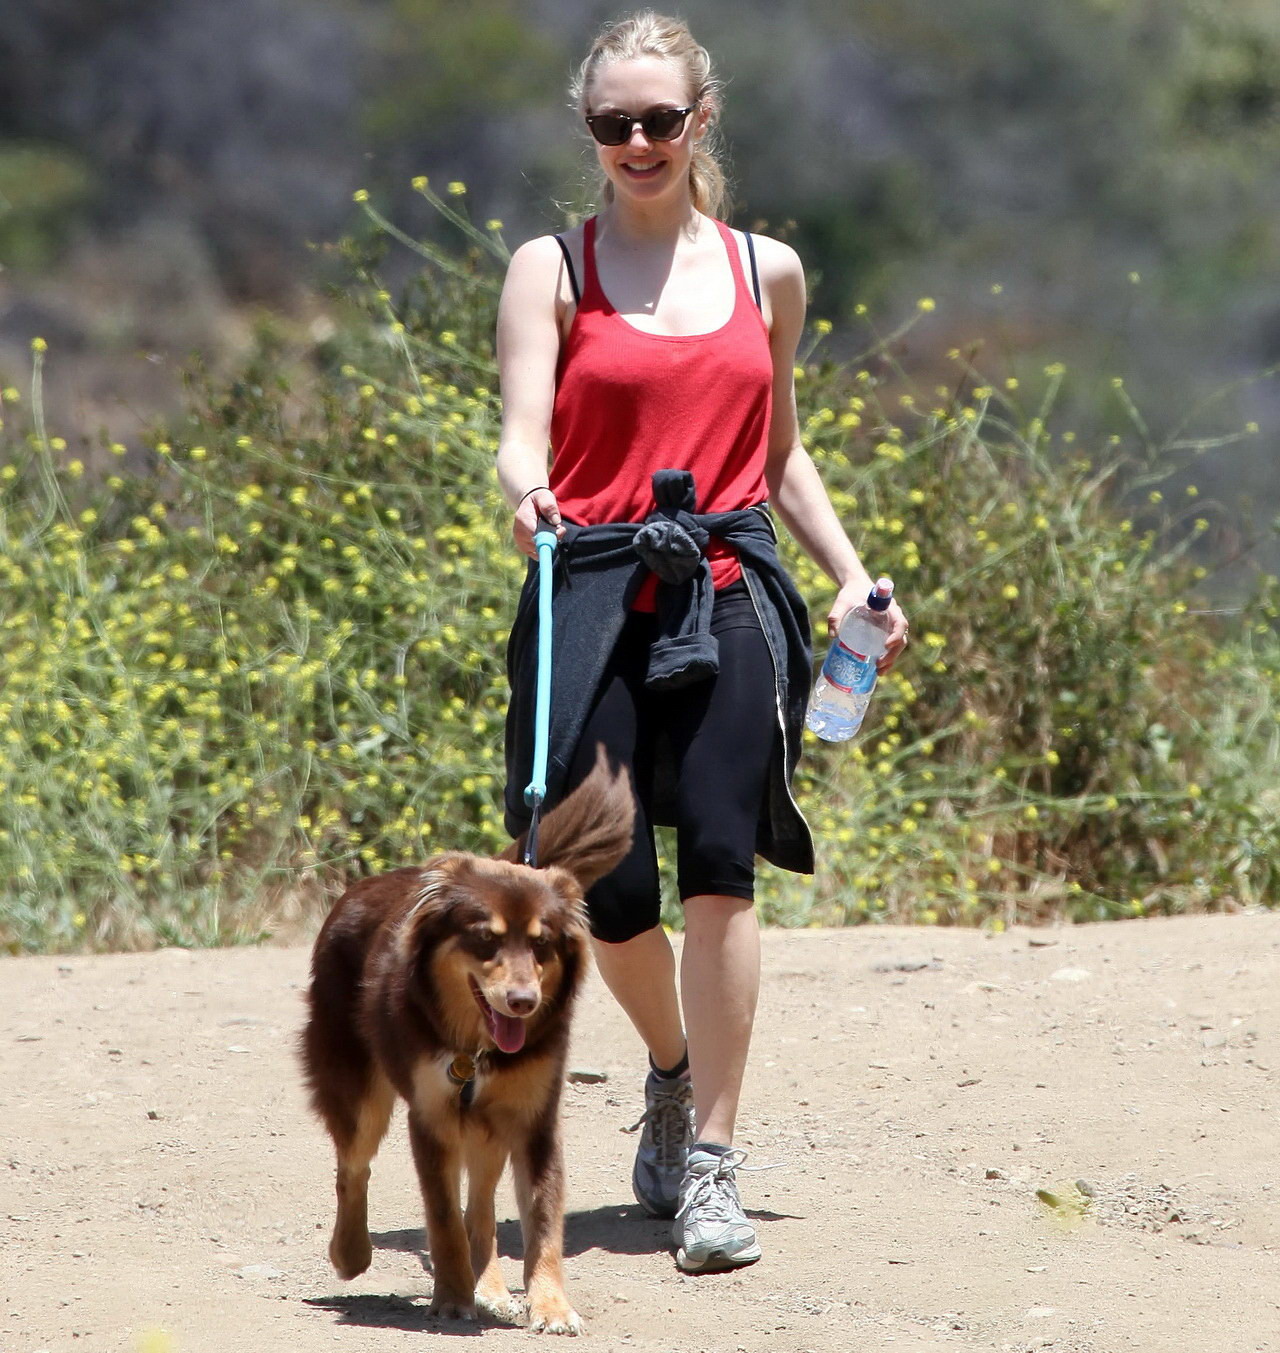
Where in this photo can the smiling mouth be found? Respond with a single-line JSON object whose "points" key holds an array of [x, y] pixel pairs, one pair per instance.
{"points": [[507, 1031], [643, 170]]}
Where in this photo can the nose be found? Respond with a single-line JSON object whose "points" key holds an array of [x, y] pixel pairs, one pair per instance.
{"points": [[638, 130], [522, 1001]]}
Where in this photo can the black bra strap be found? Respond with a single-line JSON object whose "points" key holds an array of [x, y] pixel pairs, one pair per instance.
{"points": [[568, 263], [755, 271]]}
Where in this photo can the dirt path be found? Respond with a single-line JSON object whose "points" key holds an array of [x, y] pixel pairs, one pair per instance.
{"points": [[159, 1171]]}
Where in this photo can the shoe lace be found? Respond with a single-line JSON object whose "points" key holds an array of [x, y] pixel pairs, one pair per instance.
{"points": [[714, 1193], [666, 1124]]}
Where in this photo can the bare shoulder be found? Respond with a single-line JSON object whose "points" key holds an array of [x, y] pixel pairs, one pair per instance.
{"points": [[537, 257], [783, 284], [781, 269], [538, 269], [779, 262]]}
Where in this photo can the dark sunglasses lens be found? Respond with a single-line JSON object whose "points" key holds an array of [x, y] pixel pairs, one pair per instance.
{"points": [[663, 124], [610, 129]]}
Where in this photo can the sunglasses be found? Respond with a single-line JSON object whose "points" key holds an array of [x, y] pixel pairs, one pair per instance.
{"points": [[658, 124]]}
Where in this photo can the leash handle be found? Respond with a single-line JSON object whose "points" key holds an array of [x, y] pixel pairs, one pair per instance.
{"points": [[544, 539]]}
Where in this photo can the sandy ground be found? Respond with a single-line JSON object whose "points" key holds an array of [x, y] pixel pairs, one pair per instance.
{"points": [[159, 1170]]}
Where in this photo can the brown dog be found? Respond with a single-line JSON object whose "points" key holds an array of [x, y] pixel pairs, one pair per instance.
{"points": [[452, 984]]}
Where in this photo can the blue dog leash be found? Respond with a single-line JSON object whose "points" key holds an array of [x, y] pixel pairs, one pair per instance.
{"points": [[544, 539]]}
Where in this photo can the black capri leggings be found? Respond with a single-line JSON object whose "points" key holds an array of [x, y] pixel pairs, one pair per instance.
{"points": [[720, 733]]}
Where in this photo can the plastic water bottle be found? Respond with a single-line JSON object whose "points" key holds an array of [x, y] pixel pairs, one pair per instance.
{"points": [[843, 691]]}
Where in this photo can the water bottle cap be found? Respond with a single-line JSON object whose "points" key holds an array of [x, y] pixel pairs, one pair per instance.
{"points": [[881, 594]]}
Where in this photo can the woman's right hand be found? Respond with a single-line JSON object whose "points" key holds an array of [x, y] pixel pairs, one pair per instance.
{"points": [[539, 503]]}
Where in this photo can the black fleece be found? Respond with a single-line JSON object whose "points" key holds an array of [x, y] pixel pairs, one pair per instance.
{"points": [[597, 574]]}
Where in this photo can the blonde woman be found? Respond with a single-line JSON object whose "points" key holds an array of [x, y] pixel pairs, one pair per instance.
{"points": [[647, 362]]}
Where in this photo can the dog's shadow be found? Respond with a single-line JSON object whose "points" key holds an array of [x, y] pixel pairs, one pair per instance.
{"points": [[615, 1229], [389, 1311], [618, 1230]]}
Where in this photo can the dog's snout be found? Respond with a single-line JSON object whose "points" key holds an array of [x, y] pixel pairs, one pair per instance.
{"points": [[522, 1000]]}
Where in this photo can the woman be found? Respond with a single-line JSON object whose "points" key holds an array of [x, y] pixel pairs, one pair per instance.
{"points": [[653, 350]]}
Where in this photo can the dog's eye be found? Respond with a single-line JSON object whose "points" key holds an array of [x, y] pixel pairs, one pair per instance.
{"points": [[483, 943], [541, 947]]}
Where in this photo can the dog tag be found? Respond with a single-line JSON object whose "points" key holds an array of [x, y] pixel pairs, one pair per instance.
{"points": [[462, 1070]]}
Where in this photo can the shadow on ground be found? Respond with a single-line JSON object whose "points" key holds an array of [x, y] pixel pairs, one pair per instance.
{"points": [[616, 1230], [373, 1310], [619, 1230]]}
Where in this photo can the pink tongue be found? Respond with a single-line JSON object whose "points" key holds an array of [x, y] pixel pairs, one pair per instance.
{"points": [[507, 1031]]}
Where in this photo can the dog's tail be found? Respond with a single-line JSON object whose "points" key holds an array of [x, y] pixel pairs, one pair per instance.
{"points": [[589, 832]]}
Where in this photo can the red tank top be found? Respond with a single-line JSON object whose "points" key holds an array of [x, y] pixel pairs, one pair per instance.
{"points": [[628, 403]]}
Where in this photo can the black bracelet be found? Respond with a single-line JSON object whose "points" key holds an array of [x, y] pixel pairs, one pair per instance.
{"points": [[535, 488]]}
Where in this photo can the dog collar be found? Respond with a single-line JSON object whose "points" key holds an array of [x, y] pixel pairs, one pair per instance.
{"points": [[462, 1072]]}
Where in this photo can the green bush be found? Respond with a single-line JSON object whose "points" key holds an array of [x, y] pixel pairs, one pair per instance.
{"points": [[43, 190], [1071, 734], [274, 658]]}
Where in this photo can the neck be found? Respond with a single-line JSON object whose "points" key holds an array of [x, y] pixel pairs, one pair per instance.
{"points": [[650, 222]]}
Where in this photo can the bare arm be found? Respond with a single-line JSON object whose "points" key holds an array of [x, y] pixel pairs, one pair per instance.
{"points": [[796, 489], [529, 315]]}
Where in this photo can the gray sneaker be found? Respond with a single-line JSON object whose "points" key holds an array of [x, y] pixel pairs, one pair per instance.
{"points": [[711, 1231], [664, 1144]]}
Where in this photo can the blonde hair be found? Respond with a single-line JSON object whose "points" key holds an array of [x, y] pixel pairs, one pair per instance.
{"points": [[648, 34]]}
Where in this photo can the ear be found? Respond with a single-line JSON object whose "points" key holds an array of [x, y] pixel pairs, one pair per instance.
{"points": [[439, 881], [708, 112], [574, 943], [573, 913]]}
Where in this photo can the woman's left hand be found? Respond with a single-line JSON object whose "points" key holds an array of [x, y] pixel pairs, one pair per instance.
{"points": [[853, 594], [898, 639]]}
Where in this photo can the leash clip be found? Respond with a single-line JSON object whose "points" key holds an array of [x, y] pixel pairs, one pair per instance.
{"points": [[462, 1072]]}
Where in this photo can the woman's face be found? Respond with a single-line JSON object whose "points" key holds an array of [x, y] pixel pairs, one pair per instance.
{"points": [[641, 169]]}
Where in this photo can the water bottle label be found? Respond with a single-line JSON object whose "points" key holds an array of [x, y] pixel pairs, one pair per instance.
{"points": [[845, 669]]}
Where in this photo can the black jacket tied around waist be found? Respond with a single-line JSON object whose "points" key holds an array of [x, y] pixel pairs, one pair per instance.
{"points": [[598, 571]]}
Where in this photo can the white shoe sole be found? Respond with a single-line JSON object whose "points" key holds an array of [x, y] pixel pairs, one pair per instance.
{"points": [[718, 1261]]}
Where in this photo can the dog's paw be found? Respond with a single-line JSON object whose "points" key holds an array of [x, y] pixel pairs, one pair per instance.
{"points": [[350, 1255], [445, 1309], [500, 1304], [554, 1317]]}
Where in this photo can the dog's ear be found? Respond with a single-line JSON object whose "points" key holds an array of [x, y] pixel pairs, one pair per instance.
{"points": [[440, 880], [573, 932], [588, 833], [568, 888]]}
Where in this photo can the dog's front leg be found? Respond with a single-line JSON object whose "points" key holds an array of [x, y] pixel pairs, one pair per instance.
{"points": [[439, 1164], [485, 1159], [538, 1166]]}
